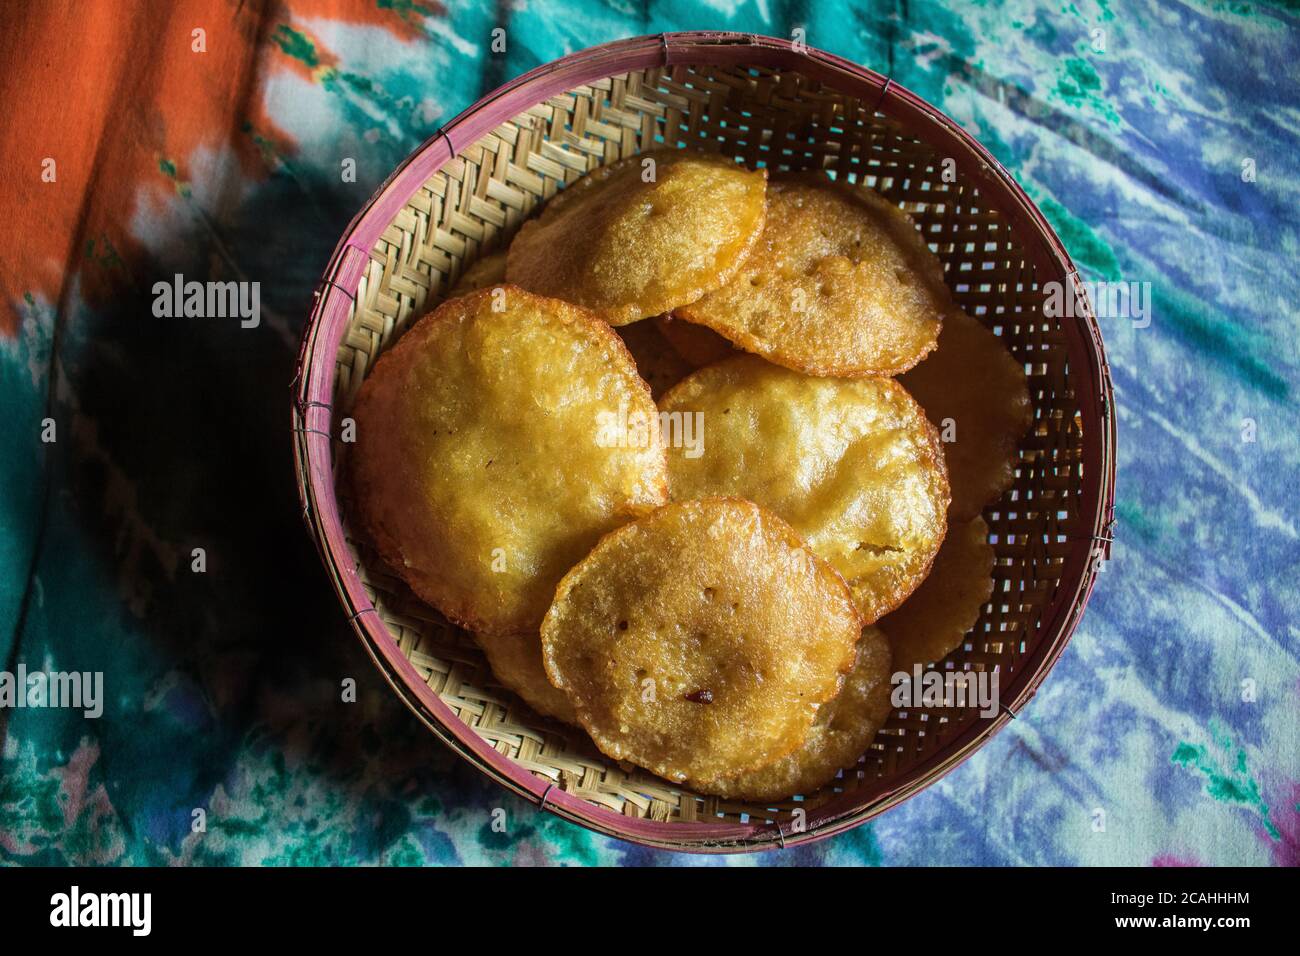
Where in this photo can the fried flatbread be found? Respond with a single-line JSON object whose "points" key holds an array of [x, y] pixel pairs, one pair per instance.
{"points": [[516, 661], [699, 641], [852, 464], [643, 235], [976, 394], [840, 283], [658, 362], [482, 470], [697, 344], [934, 621], [841, 733], [486, 271]]}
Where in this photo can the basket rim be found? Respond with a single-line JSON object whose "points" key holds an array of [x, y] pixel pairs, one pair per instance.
{"points": [[313, 384]]}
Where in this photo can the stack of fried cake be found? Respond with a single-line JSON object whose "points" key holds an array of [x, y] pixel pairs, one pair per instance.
{"points": [[700, 461]]}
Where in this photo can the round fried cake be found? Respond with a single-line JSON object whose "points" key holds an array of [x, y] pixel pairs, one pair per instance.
{"points": [[516, 660], [698, 345], [658, 362], [840, 283], [628, 248], [841, 733], [699, 641], [852, 464], [976, 394], [482, 471], [483, 272], [933, 622]]}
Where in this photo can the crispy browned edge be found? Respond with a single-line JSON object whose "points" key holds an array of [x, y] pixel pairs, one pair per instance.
{"points": [[940, 464], [792, 537], [757, 347], [447, 312], [631, 313], [935, 456], [517, 688], [756, 796]]}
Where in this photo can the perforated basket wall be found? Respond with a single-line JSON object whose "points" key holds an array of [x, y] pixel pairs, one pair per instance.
{"points": [[764, 103]]}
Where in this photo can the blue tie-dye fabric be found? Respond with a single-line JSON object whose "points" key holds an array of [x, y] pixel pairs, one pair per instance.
{"points": [[1168, 733]]}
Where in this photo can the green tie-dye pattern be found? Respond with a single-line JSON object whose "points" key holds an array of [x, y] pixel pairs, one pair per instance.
{"points": [[1230, 783], [296, 45], [1093, 255], [1079, 86]]}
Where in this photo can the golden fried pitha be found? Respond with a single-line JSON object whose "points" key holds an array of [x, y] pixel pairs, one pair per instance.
{"points": [[840, 283], [479, 471], [657, 361], [934, 621], [516, 661], [628, 248], [972, 385], [841, 733], [487, 271], [852, 464], [697, 344], [698, 641]]}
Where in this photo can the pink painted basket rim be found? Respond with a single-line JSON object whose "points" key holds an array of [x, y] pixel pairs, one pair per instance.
{"points": [[314, 383]]}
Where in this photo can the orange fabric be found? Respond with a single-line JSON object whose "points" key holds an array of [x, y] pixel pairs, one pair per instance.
{"points": [[116, 94], [108, 91]]}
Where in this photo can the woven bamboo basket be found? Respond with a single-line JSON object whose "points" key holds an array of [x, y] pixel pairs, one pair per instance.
{"points": [[766, 102]]}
